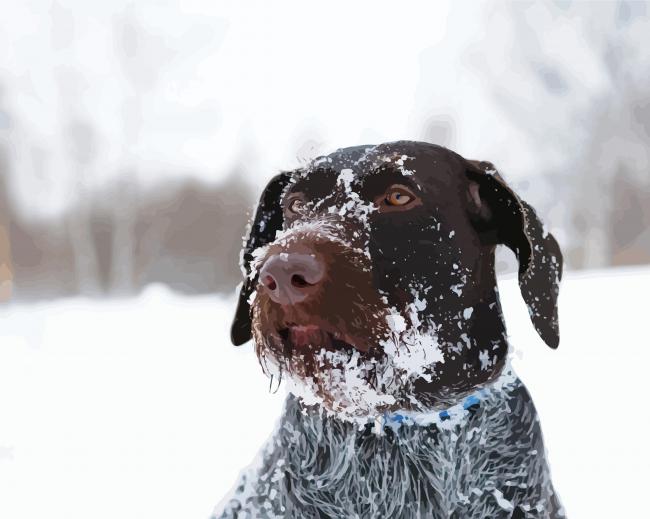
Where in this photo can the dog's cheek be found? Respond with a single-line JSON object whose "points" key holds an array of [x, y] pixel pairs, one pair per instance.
{"points": [[401, 257]]}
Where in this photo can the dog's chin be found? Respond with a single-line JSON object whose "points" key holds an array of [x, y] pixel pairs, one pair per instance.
{"points": [[330, 369]]}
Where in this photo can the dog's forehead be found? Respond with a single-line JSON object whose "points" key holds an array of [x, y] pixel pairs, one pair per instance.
{"points": [[428, 165]]}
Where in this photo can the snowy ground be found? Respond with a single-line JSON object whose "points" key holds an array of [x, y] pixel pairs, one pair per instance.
{"points": [[141, 408]]}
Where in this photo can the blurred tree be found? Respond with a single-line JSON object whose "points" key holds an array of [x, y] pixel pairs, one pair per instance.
{"points": [[79, 140], [571, 76], [186, 234], [189, 235], [142, 57], [78, 145], [6, 270]]}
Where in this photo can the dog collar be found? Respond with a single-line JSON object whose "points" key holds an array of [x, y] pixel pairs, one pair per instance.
{"points": [[487, 395], [450, 415]]}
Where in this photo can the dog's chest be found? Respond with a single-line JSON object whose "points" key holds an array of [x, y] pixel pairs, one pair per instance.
{"points": [[321, 467]]}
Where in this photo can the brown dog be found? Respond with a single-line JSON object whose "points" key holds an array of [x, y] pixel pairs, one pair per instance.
{"points": [[370, 287]]}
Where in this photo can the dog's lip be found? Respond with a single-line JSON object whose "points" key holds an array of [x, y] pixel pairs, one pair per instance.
{"points": [[313, 335], [303, 336]]}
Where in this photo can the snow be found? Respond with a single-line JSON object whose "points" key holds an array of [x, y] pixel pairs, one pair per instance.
{"points": [[132, 409], [345, 178], [142, 408]]}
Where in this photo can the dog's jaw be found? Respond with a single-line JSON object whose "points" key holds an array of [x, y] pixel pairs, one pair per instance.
{"points": [[354, 383]]}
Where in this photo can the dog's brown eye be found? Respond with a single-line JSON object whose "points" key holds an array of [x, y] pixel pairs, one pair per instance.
{"points": [[398, 198]]}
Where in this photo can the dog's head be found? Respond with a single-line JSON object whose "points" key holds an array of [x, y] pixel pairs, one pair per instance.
{"points": [[370, 277]]}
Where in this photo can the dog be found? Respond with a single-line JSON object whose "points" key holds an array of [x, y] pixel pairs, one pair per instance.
{"points": [[370, 289]]}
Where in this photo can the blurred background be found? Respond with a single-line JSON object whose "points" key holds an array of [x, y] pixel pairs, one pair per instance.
{"points": [[135, 138]]}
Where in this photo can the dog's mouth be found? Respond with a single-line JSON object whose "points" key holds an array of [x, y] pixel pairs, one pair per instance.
{"points": [[326, 365], [314, 337]]}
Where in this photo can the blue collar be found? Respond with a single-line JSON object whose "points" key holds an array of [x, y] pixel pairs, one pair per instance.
{"points": [[396, 420]]}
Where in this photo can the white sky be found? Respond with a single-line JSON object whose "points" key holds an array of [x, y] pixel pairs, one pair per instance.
{"points": [[256, 84]]}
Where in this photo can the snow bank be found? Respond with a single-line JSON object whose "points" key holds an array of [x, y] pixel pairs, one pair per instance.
{"points": [[141, 408], [126, 409]]}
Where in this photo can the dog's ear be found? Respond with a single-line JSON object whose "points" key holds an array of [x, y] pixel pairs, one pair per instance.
{"points": [[268, 220], [501, 216]]}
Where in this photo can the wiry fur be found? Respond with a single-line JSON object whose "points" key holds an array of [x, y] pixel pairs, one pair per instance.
{"points": [[489, 463]]}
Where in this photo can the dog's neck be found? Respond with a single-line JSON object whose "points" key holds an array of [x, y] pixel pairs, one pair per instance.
{"points": [[454, 412], [478, 342], [446, 414]]}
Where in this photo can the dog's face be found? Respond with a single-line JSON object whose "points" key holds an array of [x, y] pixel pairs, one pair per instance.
{"points": [[370, 277]]}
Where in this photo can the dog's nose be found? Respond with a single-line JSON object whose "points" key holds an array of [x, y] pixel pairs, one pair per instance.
{"points": [[289, 278]]}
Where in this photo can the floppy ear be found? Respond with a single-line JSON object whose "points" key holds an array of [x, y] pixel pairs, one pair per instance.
{"points": [[268, 220], [502, 217]]}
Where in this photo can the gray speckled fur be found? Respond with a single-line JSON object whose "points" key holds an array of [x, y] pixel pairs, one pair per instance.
{"points": [[490, 464]]}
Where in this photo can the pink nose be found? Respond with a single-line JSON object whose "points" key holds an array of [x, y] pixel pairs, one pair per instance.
{"points": [[290, 278]]}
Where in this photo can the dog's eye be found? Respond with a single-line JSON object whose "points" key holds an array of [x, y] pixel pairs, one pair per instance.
{"points": [[398, 198], [296, 206]]}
